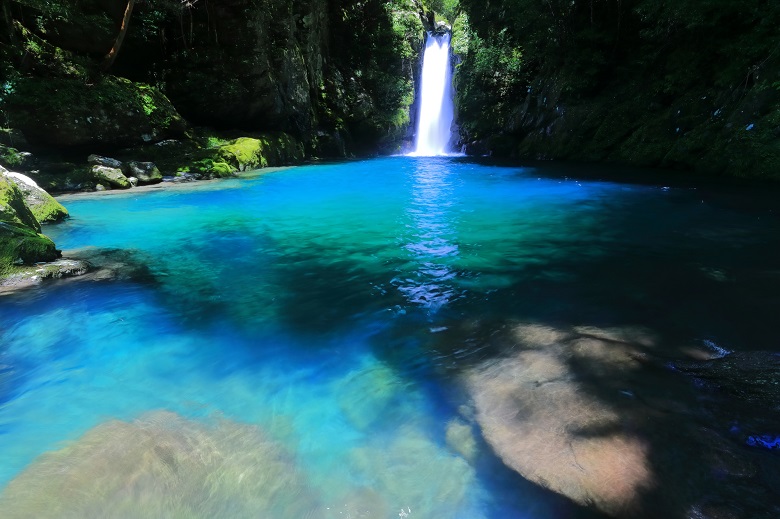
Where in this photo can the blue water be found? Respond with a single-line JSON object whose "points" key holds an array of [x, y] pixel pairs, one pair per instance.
{"points": [[329, 305]]}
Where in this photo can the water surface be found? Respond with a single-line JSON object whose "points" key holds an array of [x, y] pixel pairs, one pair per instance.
{"points": [[334, 306]]}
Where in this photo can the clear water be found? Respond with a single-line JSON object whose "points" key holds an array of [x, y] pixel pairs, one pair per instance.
{"points": [[326, 304]]}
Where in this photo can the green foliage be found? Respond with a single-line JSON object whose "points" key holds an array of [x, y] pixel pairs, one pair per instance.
{"points": [[246, 153], [10, 157], [488, 82], [656, 82]]}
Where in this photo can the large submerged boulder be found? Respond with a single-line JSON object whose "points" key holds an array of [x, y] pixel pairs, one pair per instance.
{"points": [[598, 416], [162, 465]]}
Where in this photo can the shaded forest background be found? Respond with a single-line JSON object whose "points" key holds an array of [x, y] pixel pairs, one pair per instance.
{"points": [[689, 84]]}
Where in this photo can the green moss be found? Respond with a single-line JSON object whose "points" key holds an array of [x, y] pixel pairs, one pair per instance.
{"points": [[13, 210], [245, 153], [222, 169], [82, 111], [19, 244], [267, 150], [49, 210], [10, 157], [209, 167]]}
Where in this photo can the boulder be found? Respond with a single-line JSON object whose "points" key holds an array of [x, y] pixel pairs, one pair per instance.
{"points": [[162, 465], [23, 278], [13, 209], [110, 176], [20, 238], [595, 415], [43, 206], [145, 172], [97, 160], [752, 377]]}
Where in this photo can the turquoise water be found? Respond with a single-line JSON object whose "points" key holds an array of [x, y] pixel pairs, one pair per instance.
{"points": [[330, 305]]}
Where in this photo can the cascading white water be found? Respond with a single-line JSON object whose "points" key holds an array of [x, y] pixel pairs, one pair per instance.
{"points": [[436, 106]]}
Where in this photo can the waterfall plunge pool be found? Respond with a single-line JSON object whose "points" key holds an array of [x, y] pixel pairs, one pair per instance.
{"points": [[306, 342]]}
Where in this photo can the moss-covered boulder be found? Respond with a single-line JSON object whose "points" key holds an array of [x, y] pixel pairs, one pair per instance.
{"points": [[110, 176], [107, 111], [42, 205], [267, 150], [13, 209], [20, 238], [145, 172]]}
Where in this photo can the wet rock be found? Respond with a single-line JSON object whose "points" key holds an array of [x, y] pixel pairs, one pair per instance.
{"points": [[112, 264], [145, 172], [23, 278], [162, 465], [110, 176], [43, 206], [752, 377]]}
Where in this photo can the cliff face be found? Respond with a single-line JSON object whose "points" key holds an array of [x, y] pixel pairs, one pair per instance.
{"points": [[334, 75], [690, 85]]}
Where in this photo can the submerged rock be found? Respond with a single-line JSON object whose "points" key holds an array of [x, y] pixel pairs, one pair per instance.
{"points": [[460, 438], [162, 465], [595, 415], [752, 377], [366, 394], [413, 473]]}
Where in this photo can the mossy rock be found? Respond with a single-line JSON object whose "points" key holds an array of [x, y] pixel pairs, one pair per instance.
{"points": [[21, 245], [110, 176], [42, 205], [13, 209], [208, 167], [111, 111], [267, 150], [20, 238], [145, 172]]}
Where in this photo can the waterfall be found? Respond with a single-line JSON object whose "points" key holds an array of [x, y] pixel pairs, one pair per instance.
{"points": [[436, 106]]}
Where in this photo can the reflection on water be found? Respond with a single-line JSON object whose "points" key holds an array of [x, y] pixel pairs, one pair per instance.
{"points": [[300, 307], [431, 233]]}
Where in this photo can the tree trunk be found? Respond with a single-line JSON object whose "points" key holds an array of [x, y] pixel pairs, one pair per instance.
{"points": [[9, 22], [111, 56]]}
